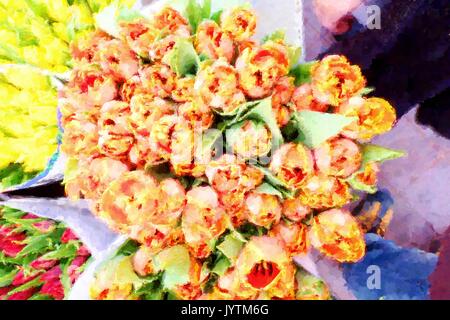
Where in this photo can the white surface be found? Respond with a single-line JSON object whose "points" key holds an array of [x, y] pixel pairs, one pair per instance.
{"points": [[419, 183], [77, 216]]}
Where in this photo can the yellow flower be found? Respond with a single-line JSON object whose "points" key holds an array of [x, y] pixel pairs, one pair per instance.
{"points": [[59, 10], [217, 86], [260, 68], [203, 220], [263, 209], [9, 152], [375, 116], [335, 80], [240, 22], [187, 157], [8, 93], [27, 78], [264, 270], [60, 29], [212, 42], [115, 281], [232, 180], [129, 201], [322, 192], [251, 140], [336, 234], [293, 236], [36, 151], [295, 210], [293, 164], [338, 157]]}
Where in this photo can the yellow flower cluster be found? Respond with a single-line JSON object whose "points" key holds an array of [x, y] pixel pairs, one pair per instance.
{"points": [[39, 32], [28, 121]]}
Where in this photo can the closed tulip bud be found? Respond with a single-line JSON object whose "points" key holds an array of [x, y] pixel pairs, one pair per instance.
{"points": [[335, 80], [203, 220], [303, 99], [171, 21], [129, 200], [240, 23], [145, 111], [375, 116], [250, 139], [295, 210], [293, 235], [336, 234], [260, 68], [263, 209], [158, 79], [338, 157], [139, 35], [324, 192], [281, 96], [213, 42], [217, 86], [117, 59], [184, 90], [293, 164]]}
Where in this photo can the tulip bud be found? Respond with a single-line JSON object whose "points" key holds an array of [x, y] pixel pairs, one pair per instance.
{"points": [[336, 234], [217, 87], [338, 157], [249, 139], [263, 209], [335, 80], [375, 116], [293, 164], [322, 192], [212, 42], [240, 23]]}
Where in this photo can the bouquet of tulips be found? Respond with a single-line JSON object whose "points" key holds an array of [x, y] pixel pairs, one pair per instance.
{"points": [[221, 157], [40, 259]]}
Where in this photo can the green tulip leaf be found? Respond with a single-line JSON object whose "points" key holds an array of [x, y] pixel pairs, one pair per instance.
{"points": [[317, 127]]}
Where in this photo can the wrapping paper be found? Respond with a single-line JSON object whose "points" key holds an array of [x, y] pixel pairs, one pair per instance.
{"points": [[77, 216]]}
